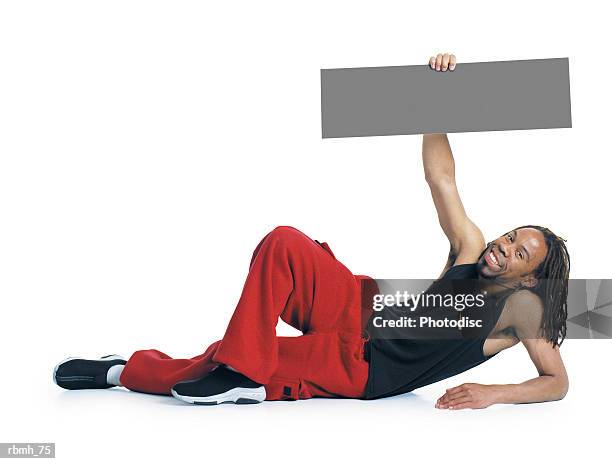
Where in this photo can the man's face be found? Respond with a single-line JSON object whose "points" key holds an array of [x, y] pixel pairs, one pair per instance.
{"points": [[513, 257]]}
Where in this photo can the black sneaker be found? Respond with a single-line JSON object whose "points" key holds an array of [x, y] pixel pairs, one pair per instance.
{"points": [[79, 373], [220, 386]]}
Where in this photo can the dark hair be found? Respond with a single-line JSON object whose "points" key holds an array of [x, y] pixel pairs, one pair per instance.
{"points": [[553, 276]]}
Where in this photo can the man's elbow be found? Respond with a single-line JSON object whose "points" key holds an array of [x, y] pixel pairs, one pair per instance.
{"points": [[561, 389], [440, 180]]}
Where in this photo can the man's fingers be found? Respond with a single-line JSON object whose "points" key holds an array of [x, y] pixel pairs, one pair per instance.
{"points": [[458, 399], [467, 395], [459, 402], [463, 405], [441, 404], [455, 389], [451, 396], [445, 61], [454, 396], [439, 61]]}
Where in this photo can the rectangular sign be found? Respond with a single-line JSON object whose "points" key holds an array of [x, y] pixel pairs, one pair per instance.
{"points": [[490, 96]]}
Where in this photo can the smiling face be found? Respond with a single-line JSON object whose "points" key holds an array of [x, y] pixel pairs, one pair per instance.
{"points": [[513, 257]]}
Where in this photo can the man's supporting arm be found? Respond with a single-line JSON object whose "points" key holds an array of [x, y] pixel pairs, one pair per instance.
{"points": [[552, 383], [526, 311]]}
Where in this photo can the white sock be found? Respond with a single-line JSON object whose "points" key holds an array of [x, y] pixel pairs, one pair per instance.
{"points": [[113, 374]]}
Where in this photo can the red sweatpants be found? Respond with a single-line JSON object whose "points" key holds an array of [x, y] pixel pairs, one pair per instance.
{"points": [[299, 280]]}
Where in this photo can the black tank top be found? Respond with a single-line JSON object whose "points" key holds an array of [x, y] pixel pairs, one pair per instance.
{"points": [[402, 364]]}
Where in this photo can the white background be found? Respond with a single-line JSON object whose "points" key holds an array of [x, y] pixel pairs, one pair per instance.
{"points": [[146, 147]]}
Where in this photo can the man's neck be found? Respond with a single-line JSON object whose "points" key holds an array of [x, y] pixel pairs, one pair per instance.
{"points": [[492, 287]]}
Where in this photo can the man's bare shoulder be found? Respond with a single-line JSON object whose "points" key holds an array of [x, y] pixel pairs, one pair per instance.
{"points": [[523, 298], [524, 312], [469, 244]]}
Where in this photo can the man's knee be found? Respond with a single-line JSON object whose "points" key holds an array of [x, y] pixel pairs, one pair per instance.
{"points": [[284, 236], [288, 237], [286, 233]]}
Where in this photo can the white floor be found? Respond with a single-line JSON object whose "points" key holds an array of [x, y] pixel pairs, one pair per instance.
{"points": [[122, 426]]}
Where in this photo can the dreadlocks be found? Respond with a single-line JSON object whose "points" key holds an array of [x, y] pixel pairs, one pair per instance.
{"points": [[552, 286]]}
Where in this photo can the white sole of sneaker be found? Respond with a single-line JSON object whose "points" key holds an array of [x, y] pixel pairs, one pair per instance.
{"points": [[111, 357], [235, 395]]}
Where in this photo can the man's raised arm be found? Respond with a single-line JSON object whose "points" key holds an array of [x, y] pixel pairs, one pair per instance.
{"points": [[466, 240]]}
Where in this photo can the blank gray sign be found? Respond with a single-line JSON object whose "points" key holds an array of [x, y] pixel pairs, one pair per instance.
{"points": [[491, 96]]}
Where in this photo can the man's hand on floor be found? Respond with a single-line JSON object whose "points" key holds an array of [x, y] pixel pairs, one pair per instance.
{"points": [[467, 396]]}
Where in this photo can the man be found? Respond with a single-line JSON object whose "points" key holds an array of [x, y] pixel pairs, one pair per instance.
{"points": [[299, 280]]}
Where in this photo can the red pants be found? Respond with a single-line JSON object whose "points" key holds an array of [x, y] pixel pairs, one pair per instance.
{"points": [[299, 280]]}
